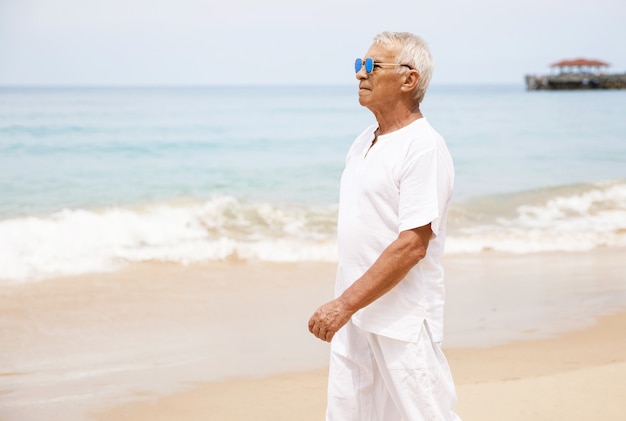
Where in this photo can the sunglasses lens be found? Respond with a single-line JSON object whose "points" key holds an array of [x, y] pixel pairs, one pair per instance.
{"points": [[368, 63], [357, 65]]}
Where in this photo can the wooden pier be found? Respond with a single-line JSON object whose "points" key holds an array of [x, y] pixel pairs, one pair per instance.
{"points": [[577, 74]]}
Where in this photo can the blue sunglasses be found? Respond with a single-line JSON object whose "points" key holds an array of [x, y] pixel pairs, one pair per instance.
{"points": [[370, 64]]}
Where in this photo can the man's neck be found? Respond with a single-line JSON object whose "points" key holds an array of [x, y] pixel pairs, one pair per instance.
{"points": [[391, 121]]}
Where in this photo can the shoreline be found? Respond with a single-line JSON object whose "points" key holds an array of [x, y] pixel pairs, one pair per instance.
{"points": [[82, 345]]}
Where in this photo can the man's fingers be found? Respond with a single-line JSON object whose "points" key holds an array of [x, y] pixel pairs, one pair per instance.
{"points": [[325, 335], [320, 326], [319, 331], [311, 324], [314, 322]]}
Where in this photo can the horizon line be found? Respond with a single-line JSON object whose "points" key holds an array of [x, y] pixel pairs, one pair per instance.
{"points": [[225, 85]]}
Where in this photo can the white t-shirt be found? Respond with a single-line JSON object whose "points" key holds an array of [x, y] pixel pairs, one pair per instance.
{"points": [[404, 182]]}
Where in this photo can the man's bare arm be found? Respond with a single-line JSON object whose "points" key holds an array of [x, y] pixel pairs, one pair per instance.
{"points": [[388, 270]]}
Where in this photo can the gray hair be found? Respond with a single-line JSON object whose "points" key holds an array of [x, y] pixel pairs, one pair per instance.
{"points": [[411, 50]]}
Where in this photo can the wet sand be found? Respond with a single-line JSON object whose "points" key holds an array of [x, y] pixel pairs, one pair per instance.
{"points": [[228, 341]]}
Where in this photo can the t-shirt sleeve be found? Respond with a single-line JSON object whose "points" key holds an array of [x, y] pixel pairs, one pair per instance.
{"points": [[424, 190]]}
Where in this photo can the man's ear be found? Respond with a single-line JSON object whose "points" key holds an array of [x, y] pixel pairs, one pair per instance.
{"points": [[411, 79]]}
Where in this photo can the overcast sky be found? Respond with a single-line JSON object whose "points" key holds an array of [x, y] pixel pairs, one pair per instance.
{"points": [[211, 42]]}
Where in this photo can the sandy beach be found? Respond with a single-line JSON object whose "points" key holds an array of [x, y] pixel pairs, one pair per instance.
{"points": [[578, 376], [536, 336]]}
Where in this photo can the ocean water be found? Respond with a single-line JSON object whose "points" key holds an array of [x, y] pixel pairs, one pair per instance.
{"points": [[92, 179]]}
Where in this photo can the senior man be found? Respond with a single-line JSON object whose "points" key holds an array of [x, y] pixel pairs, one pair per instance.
{"points": [[386, 323]]}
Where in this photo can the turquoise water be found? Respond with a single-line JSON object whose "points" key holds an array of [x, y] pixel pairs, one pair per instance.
{"points": [[93, 178], [96, 147]]}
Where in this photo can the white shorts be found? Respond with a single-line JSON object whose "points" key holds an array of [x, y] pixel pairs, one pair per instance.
{"points": [[376, 378]]}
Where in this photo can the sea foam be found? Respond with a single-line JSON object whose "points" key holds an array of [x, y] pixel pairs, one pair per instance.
{"points": [[570, 219], [75, 241]]}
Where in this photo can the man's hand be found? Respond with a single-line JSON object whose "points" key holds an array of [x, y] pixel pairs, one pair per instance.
{"points": [[328, 319]]}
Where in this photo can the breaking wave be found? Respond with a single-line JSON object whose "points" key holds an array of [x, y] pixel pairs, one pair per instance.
{"points": [[75, 241]]}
